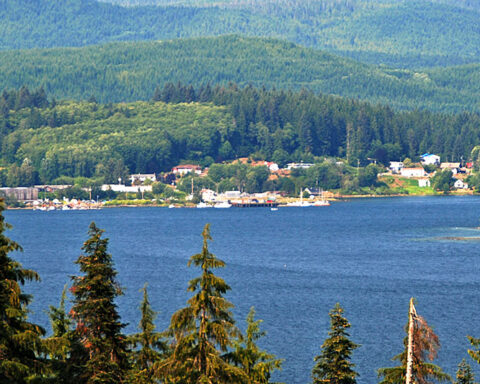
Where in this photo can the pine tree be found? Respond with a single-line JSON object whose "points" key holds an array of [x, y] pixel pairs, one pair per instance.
{"points": [[59, 344], [333, 365], [465, 374], [152, 346], [98, 325], [425, 346], [256, 363], [19, 339], [203, 331]]}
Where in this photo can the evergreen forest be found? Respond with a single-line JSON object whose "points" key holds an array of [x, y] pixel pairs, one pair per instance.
{"points": [[43, 139], [401, 33], [123, 72]]}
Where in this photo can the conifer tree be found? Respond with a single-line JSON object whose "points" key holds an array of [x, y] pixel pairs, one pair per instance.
{"points": [[152, 346], [465, 374], [333, 365], [425, 347], [474, 353], [204, 330], [256, 363], [59, 344], [20, 340], [94, 311]]}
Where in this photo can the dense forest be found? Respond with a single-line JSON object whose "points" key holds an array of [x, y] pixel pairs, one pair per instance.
{"points": [[42, 140], [407, 34], [130, 71]]}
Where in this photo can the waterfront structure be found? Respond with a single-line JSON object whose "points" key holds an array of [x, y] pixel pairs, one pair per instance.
{"points": [[21, 193]]}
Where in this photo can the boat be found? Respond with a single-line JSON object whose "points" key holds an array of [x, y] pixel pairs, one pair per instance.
{"points": [[274, 209], [322, 202], [300, 203], [223, 204], [203, 205], [171, 206]]}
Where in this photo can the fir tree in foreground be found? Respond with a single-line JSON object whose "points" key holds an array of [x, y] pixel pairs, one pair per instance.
{"points": [[98, 326], [58, 345], [152, 347], [465, 374], [256, 363], [20, 340], [204, 330], [333, 365], [425, 347]]}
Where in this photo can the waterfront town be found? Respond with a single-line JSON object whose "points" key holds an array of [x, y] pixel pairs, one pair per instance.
{"points": [[184, 186]]}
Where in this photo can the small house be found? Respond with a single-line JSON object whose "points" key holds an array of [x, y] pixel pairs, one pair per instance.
{"points": [[460, 184], [186, 168], [429, 159], [423, 183], [413, 172], [140, 178], [454, 167], [299, 165], [395, 166]]}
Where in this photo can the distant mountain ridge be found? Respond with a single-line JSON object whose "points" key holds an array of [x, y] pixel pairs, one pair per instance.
{"points": [[130, 71], [401, 33]]}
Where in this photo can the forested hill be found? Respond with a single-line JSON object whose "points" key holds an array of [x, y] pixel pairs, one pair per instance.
{"points": [[402, 33], [43, 140], [131, 71]]}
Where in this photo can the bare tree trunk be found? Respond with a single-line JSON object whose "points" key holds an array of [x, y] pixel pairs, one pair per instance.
{"points": [[411, 315]]}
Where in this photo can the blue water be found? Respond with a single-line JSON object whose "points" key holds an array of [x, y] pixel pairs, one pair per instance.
{"points": [[293, 265]]}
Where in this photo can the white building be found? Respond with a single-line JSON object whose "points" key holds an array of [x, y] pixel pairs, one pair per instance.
{"points": [[454, 167], [413, 172], [299, 165], [459, 184], [124, 188], [142, 177], [422, 183], [428, 159], [208, 195], [396, 166], [187, 168]]}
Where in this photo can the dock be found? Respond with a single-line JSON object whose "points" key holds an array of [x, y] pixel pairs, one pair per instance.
{"points": [[254, 204]]}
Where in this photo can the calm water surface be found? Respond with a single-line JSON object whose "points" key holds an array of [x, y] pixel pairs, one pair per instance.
{"points": [[293, 265]]}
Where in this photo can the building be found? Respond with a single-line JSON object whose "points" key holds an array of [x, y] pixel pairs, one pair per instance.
{"points": [[208, 195], [454, 167], [429, 159], [413, 172], [20, 193], [272, 167], [396, 166], [186, 168], [459, 184], [299, 165], [141, 178], [123, 188], [423, 183]]}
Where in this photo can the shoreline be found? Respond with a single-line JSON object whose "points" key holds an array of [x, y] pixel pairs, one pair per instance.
{"points": [[335, 198]]}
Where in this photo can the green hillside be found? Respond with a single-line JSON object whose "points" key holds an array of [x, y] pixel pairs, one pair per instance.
{"points": [[131, 71], [43, 140], [402, 33]]}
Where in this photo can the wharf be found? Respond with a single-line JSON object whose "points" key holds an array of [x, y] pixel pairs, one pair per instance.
{"points": [[254, 204]]}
